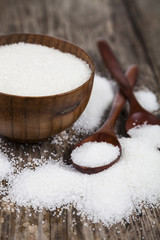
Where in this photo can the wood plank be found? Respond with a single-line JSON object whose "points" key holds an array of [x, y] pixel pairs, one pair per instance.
{"points": [[82, 22], [145, 19]]}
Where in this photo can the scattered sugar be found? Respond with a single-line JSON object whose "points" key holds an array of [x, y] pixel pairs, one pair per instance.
{"points": [[100, 100], [147, 99], [94, 154], [5, 166], [36, 70], [106, 197], [134, 181]]}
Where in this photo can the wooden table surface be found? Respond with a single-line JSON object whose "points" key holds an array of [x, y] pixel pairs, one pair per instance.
{"points": [[133, 30]]}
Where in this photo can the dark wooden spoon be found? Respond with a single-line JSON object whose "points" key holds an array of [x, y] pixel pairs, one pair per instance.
{"points": [[138, 115], [106, 132]]}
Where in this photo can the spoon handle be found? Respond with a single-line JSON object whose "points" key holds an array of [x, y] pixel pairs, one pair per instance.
{"points": [[115, 69], [119, 99]]}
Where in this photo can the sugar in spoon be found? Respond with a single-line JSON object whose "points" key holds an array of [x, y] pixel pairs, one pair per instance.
{"points": [[138, 115], [106, 132]]}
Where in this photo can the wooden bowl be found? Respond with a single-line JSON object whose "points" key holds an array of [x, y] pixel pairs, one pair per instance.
{"points": [[30, 119]]}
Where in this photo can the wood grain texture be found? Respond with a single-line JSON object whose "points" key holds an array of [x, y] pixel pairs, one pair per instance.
{"points": [[132, 29]]}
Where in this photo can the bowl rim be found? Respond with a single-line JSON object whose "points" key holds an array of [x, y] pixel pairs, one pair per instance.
{"points": [[54, 95]]}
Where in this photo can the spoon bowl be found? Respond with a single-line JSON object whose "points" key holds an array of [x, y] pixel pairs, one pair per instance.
{"points": [[99, 136], [106, 132]]}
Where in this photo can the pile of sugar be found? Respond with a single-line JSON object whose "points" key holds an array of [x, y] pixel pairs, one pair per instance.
{"points": [[147, 99], [94, 154], [36, 70], [134, 181], [101, 98]]}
